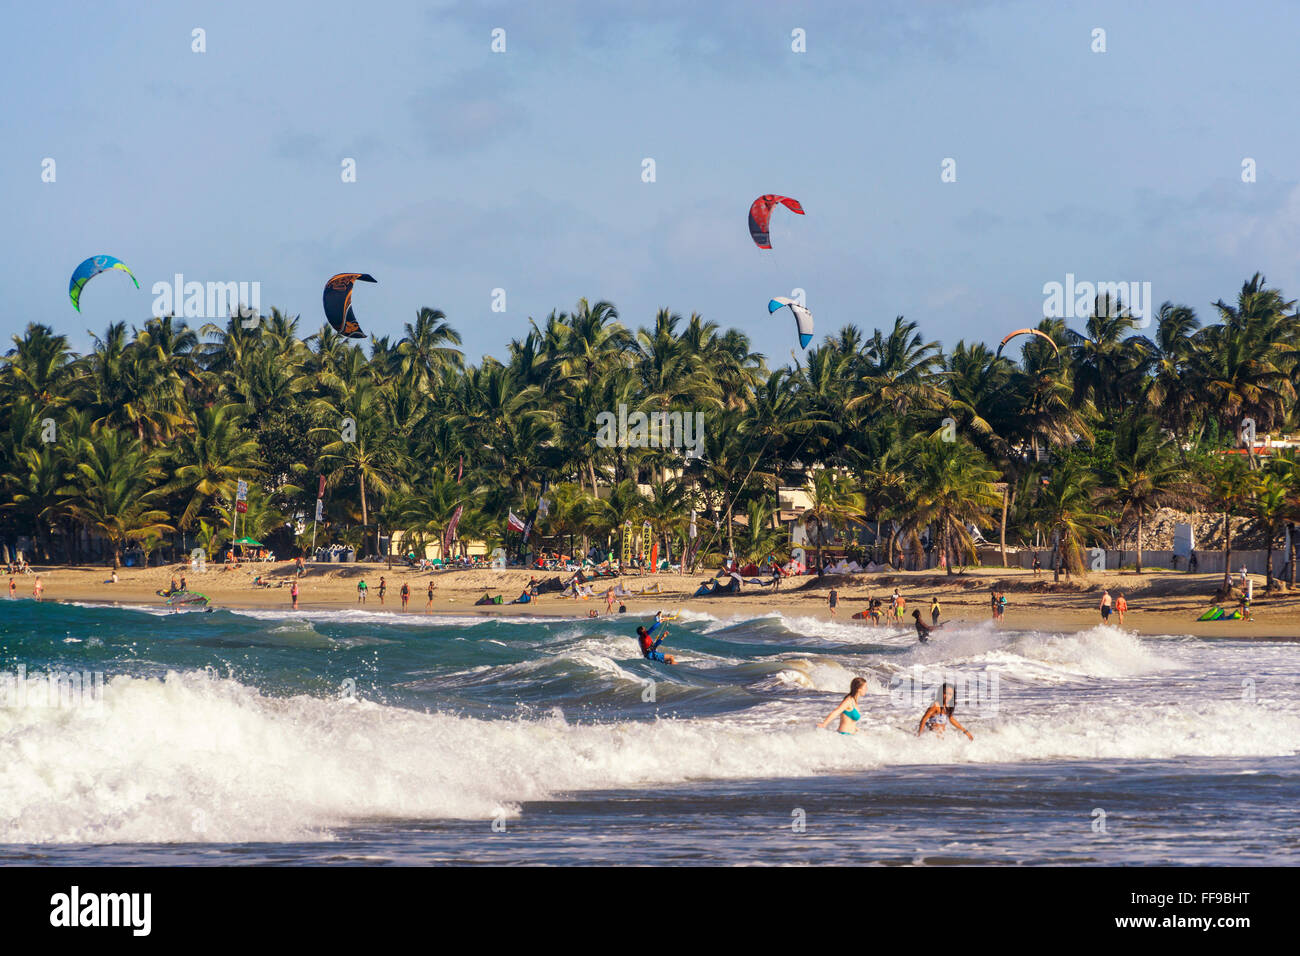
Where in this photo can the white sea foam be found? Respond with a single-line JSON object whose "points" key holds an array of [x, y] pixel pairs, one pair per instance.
{"points": [[194, 757]]}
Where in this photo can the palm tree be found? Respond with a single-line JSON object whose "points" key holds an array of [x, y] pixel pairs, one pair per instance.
{"points": [[113, 489], [832, 502], [952, 489], [1147, 474], [362, 447], [1229, 487], [1272, 503], [1064, 511], [211, 456]]}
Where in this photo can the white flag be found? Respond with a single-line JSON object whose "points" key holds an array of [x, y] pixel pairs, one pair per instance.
{"points": [[693, 532], [320, 509]]}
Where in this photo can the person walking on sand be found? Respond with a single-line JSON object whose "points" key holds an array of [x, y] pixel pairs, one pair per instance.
{"points": [[37, 588], [428, 607], [406, 594], [383, 586], [609, 600], [934, 610], [293, 593], [13, 588], [834, 599], [1038, 565], [1121, 607], [847, 711], [1106, 606]]}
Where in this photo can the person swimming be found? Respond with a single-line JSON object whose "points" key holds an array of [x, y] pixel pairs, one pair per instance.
{"points": [[847, 711], [650, 646], [940, 714]]}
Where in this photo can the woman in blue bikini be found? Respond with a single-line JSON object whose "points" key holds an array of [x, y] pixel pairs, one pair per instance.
{"points": [[940, 714], [847, 711]]}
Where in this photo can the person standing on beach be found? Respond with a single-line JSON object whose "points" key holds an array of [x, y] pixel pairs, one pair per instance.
{"points": [[834, 598], [1002, 605], [361, 591], [934, 610], [383, 586], [993, 602], [1121, 607], [37, 588], [1038, 565], [13, 588], [293, 593], [1105, 606], [184, 586], [776, 576], [609, 600], [428, 607], [406, 594]]}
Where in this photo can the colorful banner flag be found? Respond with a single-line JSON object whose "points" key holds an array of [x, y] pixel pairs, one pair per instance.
{"points": [[449, 538], [320, 490], [515, 522], [241, 490]]}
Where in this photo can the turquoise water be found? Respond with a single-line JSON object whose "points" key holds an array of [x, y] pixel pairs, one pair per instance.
{"points": [[137, 735]]}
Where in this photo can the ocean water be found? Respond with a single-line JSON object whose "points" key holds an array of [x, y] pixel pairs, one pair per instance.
{"points": [[137, 735]]}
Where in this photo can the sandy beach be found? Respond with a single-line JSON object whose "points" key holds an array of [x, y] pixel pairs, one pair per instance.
{"points": [[1160, 602]]}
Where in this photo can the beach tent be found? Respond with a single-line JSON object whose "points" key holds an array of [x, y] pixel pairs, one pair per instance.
{"points": [[250, 543]]}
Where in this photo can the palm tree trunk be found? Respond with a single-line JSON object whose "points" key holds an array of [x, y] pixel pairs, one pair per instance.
{"points": [[949, 544], [1139, 544], [1227, 554], [1002, 531], [1268, 563], [365, 520], [1291, 532]]}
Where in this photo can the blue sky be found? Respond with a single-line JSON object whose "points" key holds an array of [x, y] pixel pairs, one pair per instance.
{"points": [[522, 170]]}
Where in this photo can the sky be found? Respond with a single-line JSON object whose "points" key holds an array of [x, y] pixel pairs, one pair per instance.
{"points": [[523, 170]]}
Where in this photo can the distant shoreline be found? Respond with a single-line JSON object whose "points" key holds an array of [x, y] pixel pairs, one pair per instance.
{"points": [[1160, 602]]}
